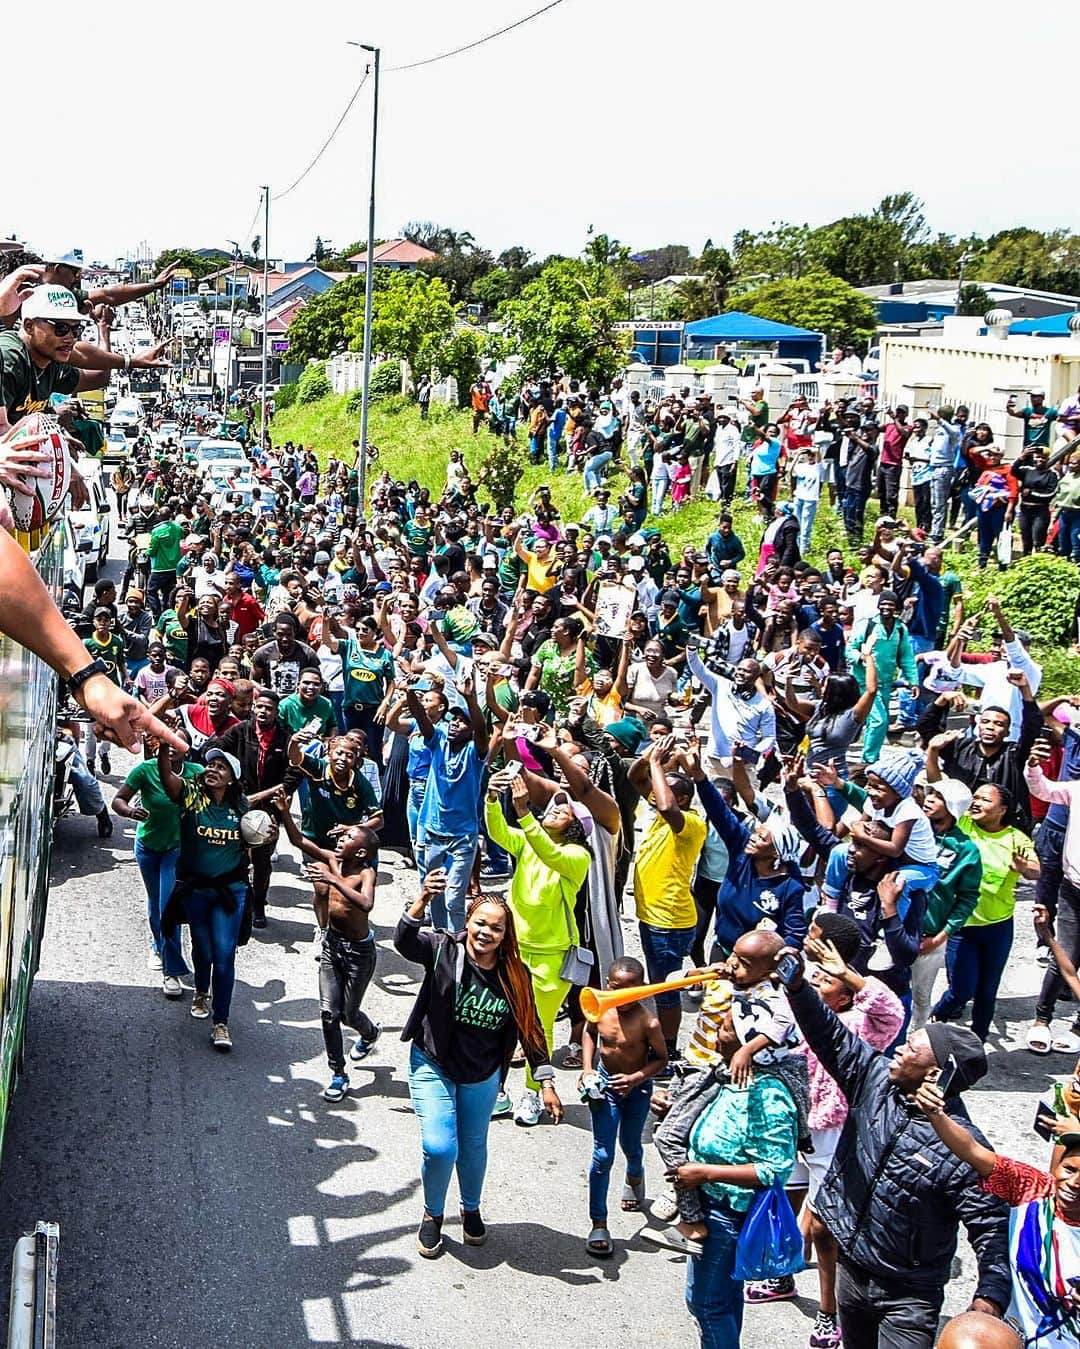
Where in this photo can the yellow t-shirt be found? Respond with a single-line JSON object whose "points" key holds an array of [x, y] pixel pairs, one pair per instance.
{"points": [[663, 869], [703, 1048], [542, 574]]}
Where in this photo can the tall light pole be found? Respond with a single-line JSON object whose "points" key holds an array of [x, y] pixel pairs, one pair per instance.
{"points": [[232, 317], [266, 310], [369, 281]]}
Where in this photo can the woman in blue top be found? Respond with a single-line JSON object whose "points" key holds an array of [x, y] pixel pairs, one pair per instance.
{"points": [[765, 468], [762, 880]]}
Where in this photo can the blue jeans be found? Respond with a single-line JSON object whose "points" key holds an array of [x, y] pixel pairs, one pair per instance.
{"points": [[415, 799], [214, 934], [554, 446], [593, 466], [659, 492], [615, 1117], [361, 718], [454, 1119], [975, 960], [1068, 535], [804, 513], [456, 852], [988, 526], [940, 485], [665, 949], [337, 702], [855, 513], [158, 870], [85, 786], [714, 1296]]}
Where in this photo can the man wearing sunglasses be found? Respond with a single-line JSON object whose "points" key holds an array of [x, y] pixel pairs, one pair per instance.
{"points": [[35, 363]]}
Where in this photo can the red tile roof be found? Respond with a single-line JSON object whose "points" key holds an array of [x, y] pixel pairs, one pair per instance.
{"points": [[397, 250]]}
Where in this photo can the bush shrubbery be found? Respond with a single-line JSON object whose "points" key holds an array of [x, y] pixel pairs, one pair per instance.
{"points": [[313, 383], [286, 396]]}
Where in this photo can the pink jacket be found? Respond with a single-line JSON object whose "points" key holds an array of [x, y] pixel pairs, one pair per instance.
{"points": [[875, 1016]]}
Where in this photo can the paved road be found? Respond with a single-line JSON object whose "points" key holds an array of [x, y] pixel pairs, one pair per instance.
{"points": [[205, 1199]]}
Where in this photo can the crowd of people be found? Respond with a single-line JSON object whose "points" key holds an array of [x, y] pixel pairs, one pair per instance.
{"points": [[819, 798]]}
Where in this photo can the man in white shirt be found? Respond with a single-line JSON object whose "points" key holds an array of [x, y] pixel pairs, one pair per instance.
{"points": [[741, 717], [600, 517]]}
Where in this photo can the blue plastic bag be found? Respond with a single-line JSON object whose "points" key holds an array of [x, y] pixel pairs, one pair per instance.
{"points": [[770, 1244]]}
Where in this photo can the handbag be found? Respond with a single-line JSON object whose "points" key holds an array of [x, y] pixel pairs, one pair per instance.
{"points": [[1005, 546], [770, 1244], [577, 964]]}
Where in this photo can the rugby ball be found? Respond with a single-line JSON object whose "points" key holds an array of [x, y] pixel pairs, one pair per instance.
{"points": [[256, 828], [40, 500]]}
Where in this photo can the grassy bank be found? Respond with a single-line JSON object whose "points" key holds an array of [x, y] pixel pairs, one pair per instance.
{"points": [[410, 449]]}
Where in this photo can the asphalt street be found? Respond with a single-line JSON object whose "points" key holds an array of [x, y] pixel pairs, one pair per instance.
{"points": [[206, 1199]]}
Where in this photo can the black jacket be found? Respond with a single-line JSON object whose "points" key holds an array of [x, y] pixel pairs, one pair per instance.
{"points": [[442, 956], [242, 740], [895, 1195]]}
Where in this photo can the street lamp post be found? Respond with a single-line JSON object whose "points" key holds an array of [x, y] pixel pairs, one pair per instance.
{"points": [[369, 281], [266, 311]]}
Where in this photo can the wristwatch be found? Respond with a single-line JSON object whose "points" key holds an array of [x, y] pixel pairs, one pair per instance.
{"points": [[79, 678]]}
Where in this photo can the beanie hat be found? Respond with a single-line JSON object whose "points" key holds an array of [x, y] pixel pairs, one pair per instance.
{"points": [[629, 732], [955, 794], [957, 1042], [900, 772]]}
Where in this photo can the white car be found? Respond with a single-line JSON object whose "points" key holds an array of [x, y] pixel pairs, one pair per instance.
{"points": [[240, 495], [91, 525], [222, 459], [126, 418], [168, 431]]}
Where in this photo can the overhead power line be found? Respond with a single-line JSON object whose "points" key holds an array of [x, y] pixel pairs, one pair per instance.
{"points": [[326, 143], [469, 46]]}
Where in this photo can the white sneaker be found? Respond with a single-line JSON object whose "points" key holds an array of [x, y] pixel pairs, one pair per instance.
{"points": [[172, 987], [153, 960], [200, 1006], [529, 1110]]}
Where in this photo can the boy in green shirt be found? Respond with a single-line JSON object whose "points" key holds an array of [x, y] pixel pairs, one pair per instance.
{"points": [[103, 644], [308, 705]]}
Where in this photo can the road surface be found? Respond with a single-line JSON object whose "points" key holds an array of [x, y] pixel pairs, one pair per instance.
{"points": [[210, 1199]]}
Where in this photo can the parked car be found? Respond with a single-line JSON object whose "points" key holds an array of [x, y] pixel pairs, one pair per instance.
{"points": [[238, 496], [92, 524], [222, 458], [117, 448]]}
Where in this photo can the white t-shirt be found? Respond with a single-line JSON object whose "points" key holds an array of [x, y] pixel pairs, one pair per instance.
{"points": [[808, 481], [921, 844], [726, 446]]}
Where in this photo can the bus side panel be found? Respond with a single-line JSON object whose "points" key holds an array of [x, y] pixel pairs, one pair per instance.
{"points": [[27, 766]]}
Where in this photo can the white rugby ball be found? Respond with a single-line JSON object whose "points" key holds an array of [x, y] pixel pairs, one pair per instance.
{"points": [[40, 499], [256, 828]]}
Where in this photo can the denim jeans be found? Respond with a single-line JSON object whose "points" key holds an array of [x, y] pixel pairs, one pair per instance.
{"points": [[158, 871], [413, 802], [659, 492], [337, 702], [454, 1119], [456, 852], [1068, 535], [593, 478], [554, 446], [988, 525], [854, 514], [804, 513], [714, 1296], [615, 1117], [1067, 927], [940, 482], [692, 1092], [975, 960], [159, 586], [665, 949], [345, 970], [214, 934], [85, 786]]}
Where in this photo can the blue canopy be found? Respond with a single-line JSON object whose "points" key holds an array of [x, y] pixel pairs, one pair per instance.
{"points": [[739, 327], [1050, 325]]}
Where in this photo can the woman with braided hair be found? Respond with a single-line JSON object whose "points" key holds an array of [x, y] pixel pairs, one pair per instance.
{"points": [[476, 1003]]}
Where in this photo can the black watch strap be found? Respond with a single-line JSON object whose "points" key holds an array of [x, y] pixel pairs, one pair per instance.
{"points": [[79, 678]]}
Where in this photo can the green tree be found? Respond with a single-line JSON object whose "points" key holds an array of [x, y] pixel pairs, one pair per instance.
{"points": [[973, 300], [1027, 257], [256, 244], [460, 269], [186, 257], [779, 251], [313, 383], [460, 355], [819, 302], [412, 316], [319, 329], [322, 250], [669, 260], [565, 321], [864, 250], [706, 294]]}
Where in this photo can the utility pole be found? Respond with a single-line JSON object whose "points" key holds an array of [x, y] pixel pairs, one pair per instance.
{"points": [[266, 311], [369, 282]]}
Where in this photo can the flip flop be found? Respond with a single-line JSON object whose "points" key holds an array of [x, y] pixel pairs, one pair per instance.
{"points": [[633, 1195], [671, 1240], [600, 1243], [1039, 1039], [1069, 1043]]}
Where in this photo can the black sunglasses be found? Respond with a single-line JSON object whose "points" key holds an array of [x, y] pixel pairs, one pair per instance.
{"points": [[62, 329]]}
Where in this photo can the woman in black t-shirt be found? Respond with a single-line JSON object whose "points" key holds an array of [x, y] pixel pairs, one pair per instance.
{"points": [[475, 1004]]}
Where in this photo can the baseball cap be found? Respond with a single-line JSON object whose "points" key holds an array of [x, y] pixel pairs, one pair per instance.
{"points": [[955, 794], [230, 759], [52, 302], [486, 639], [68, 259]]}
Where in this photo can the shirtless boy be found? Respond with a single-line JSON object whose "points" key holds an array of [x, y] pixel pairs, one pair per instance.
{"points": [[347, 961], [620, 1055]]}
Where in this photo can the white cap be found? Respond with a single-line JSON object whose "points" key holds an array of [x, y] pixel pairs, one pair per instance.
{"points": [[52, 302]]}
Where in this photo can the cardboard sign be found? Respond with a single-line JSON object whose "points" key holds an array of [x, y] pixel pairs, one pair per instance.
{"points": [[614, 605]]}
